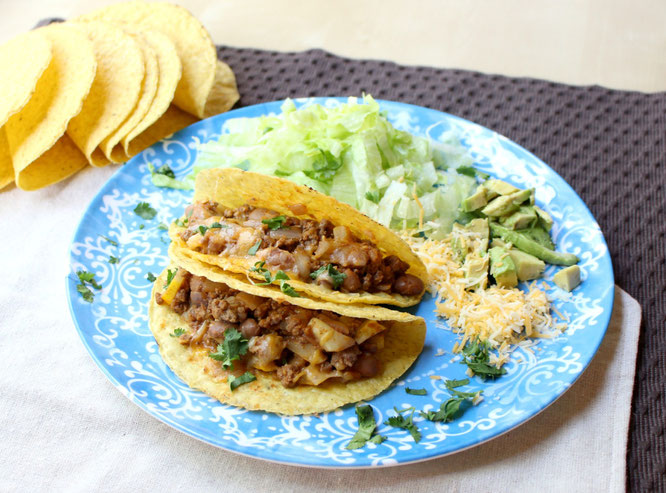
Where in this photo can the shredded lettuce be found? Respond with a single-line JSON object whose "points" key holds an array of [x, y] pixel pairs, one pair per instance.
{"points": [[355, 154]]}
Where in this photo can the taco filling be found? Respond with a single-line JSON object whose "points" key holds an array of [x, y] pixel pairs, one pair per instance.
{"points": [[312, 251], [298, 346]]}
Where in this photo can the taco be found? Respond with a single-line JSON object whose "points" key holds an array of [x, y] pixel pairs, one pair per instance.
{"points": [[258, 348], [268, 228]]}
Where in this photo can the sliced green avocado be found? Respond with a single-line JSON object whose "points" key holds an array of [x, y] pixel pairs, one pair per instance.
{"points": [[476, 270], [475, 201], [499, 187], [502, 267], [544, 218], [568, 278], [481, 227], [524, 217], [528, 267], [506, 204]]}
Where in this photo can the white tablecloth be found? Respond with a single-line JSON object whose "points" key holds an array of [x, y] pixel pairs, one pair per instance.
{"points": [[66, 428]]}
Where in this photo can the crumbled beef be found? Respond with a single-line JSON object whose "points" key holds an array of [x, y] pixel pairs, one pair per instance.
{"points": [[181, 300], [289, 372], [228, 310], [345, 359]]}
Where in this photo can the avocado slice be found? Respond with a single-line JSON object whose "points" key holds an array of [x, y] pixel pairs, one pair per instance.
{"points": [[475, 201], [502, 267], [506, 204], [540, 235], [524, 217], [544, 218], [528, 267], [527, 245], [568, 278], [464, 243], [499, 187], [476, 271]]}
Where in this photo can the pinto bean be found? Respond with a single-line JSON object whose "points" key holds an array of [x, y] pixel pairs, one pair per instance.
{"points": [[367, 365], [280, 258], [352, 283], [217, 329], [351, 255], [408, 285], [250, 328]]}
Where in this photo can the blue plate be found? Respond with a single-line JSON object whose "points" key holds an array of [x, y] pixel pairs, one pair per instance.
{"points": [[114, 328]]}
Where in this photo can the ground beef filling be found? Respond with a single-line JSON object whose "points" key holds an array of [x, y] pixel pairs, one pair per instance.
{"points": [[299, 247], [299, 346]]}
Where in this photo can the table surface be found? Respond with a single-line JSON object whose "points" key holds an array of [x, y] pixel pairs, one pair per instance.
{"points": [[613, 43]]}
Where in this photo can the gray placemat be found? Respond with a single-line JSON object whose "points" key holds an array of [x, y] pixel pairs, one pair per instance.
{"points": [[609, 145]]}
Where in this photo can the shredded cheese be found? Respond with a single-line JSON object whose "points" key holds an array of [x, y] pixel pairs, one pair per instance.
{"points": [[505, 317]]}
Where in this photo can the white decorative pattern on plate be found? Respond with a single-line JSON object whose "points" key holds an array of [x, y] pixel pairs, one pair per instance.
{"points": [[114, 327]]}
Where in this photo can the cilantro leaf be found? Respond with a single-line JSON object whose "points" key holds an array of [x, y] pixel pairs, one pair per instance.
{"points": [[336, 277], [165, 170], [366, 427], [144, 211], [162, 226], [274, 222], [280, 275], [325, 167], [181, 222], [399, 421], [151, 277], [253, 249], [472, 171], [477, 359], [232, 348], [456, 405], [260, 269], [85, 292], [218, 225], [88, 277], [170, 275], [416, 391], [288, 290], [112, 259], [113, 242], [373, 196], [235, 382], [203, 229], [178, 332], [452, 384]]}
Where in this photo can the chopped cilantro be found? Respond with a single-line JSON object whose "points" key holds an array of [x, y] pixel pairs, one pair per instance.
{"points": [[281, 276], [288, 290], [235, 382], [325, 167], [113, 260], [162, 226], [165, 170], [203, 229], [88, 277], [260, 269], [113, 242], [85, 278], [337, 277], [399, 421], [141, 226], [456, 405], [373, 196], [232, 348], [178, 332], [218, 225], [253, 249], [151, 277], [170, 275], [85, 292], [477, 359], [144, 211], [416, 391], [181, 222], [274, 222], [366, 427], [472, 171]]}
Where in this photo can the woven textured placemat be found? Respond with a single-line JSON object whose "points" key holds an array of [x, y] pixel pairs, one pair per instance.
{"points": [[609, 145]]}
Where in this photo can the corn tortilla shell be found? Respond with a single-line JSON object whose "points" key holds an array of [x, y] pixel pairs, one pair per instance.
{"points": [[23, 59], [62, 160], [114, 91], [232, 188], [403, 343], [110, 146], [169, 72], [193, 44], [6, 168], [58, 97], [224, 93], [171, 121]]}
